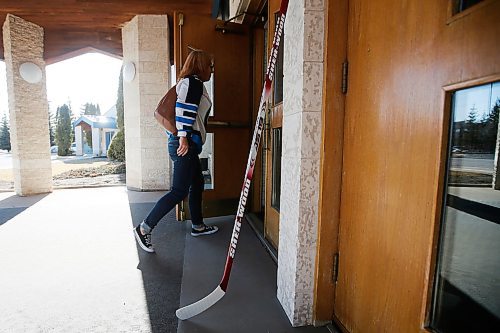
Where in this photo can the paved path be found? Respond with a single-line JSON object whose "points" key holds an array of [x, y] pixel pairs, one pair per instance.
{"points": [[69, 263]]}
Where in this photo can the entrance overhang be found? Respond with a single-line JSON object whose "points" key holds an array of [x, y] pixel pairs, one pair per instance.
{"points": [[77, 25]]}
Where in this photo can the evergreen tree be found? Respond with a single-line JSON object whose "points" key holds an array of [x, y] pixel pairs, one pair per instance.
{"points": [[64, 130], [472, 116], [494, 114], [5, 134], [119, 103], [91, 109], [490, 128], [472, 129], [116, 149], [52, 130]]}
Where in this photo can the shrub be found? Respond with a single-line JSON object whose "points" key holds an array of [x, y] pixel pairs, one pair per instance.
{"points": [[116, 150]]}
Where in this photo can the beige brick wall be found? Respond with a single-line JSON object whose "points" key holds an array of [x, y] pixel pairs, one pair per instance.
{"points": [[145, 43], [28, 108]]}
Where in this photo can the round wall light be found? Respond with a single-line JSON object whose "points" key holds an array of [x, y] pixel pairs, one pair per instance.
{"points": [[128, 71], [30, 72]]}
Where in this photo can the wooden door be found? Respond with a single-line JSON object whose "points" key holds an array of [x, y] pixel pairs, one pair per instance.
{"points": [[403, 57], [274, 123], [230, 124]]}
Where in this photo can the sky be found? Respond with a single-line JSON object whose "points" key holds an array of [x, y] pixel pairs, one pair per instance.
{"points": [[481, 99], [88, 78]]}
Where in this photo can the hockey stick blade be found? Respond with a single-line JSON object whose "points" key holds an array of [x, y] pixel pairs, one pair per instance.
{"points": [[196, 308]]}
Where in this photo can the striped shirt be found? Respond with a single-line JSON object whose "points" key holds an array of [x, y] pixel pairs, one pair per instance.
{"points": [[192, 107]]}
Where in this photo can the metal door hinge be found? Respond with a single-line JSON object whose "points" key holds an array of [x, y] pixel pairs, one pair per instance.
{"points": [[345, 73], [335, 272]]}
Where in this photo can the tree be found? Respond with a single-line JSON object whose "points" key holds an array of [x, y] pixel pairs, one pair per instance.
{"points": [[119, 103], [5, 134], [91, 109], [490, 128], [64, 130], [52, 135], [116, 149], [472, 129]]}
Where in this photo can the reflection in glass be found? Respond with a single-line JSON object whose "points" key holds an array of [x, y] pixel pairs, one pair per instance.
{"points": [[173, 76], [207, 154], [276, 169], [207, 162], [278, 71], [210, 85], [461, 5], [467, 285]]}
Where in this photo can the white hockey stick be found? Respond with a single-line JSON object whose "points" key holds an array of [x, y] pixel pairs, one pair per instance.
{"points": [[198, 307]]}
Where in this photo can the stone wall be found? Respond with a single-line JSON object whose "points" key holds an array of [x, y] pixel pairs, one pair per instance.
{"points": [[28, 108], [145, 43], [302, 126]]}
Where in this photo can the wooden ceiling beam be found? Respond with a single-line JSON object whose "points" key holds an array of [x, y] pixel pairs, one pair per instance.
{"points": [[73, 26]]}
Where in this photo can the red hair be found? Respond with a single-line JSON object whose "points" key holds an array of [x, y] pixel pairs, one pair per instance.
{"points": [[196, 63]]}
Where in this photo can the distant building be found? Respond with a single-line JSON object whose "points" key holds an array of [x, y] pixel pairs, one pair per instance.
{"points": [[102, 128]]}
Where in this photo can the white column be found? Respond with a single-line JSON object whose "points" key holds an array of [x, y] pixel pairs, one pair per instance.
{"points": [[28, 108], [145, 44], [96, 141], [79, 140], [303, 84]]}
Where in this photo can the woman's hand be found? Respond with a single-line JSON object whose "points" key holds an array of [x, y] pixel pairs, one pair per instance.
{"points": [[183, 146]]}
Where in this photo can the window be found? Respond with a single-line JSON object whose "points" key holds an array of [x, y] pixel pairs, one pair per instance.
{"points": [[467, 293], [461, 5], [278, 71]]}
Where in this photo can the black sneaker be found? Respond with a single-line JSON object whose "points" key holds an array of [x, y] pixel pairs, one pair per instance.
{"points": [[143, 240], [207, 230]]}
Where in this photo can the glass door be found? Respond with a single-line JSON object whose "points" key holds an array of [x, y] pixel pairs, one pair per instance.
{"points": [[274, 123], [467, 286]]}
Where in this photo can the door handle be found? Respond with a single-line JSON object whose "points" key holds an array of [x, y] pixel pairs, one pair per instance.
{"points": [[230, 124]]}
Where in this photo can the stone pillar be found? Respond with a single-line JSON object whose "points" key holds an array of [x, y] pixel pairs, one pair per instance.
{"points": [[79, 140], [96, 141], [28, 108], [496, 167], [302, 126], [145, 44]]}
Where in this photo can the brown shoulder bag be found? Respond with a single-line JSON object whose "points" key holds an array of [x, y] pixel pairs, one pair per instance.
{"points": [[165, 111]]}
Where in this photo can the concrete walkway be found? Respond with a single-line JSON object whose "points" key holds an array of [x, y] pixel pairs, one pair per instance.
{"points": [[69, 263]]}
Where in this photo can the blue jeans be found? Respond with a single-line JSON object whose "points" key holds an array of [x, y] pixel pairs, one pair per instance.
{"points": [[187, 179]]}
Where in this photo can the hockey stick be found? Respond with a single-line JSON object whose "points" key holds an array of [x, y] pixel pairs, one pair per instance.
{"points": [[198, 307]]}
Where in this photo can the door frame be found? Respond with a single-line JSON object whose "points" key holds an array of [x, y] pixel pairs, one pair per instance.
{"points": [[331, 155], [274, 119], [439, 206], [228, 127]]}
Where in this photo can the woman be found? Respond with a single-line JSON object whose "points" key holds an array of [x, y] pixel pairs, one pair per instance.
{"points": [[191, 114]]}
